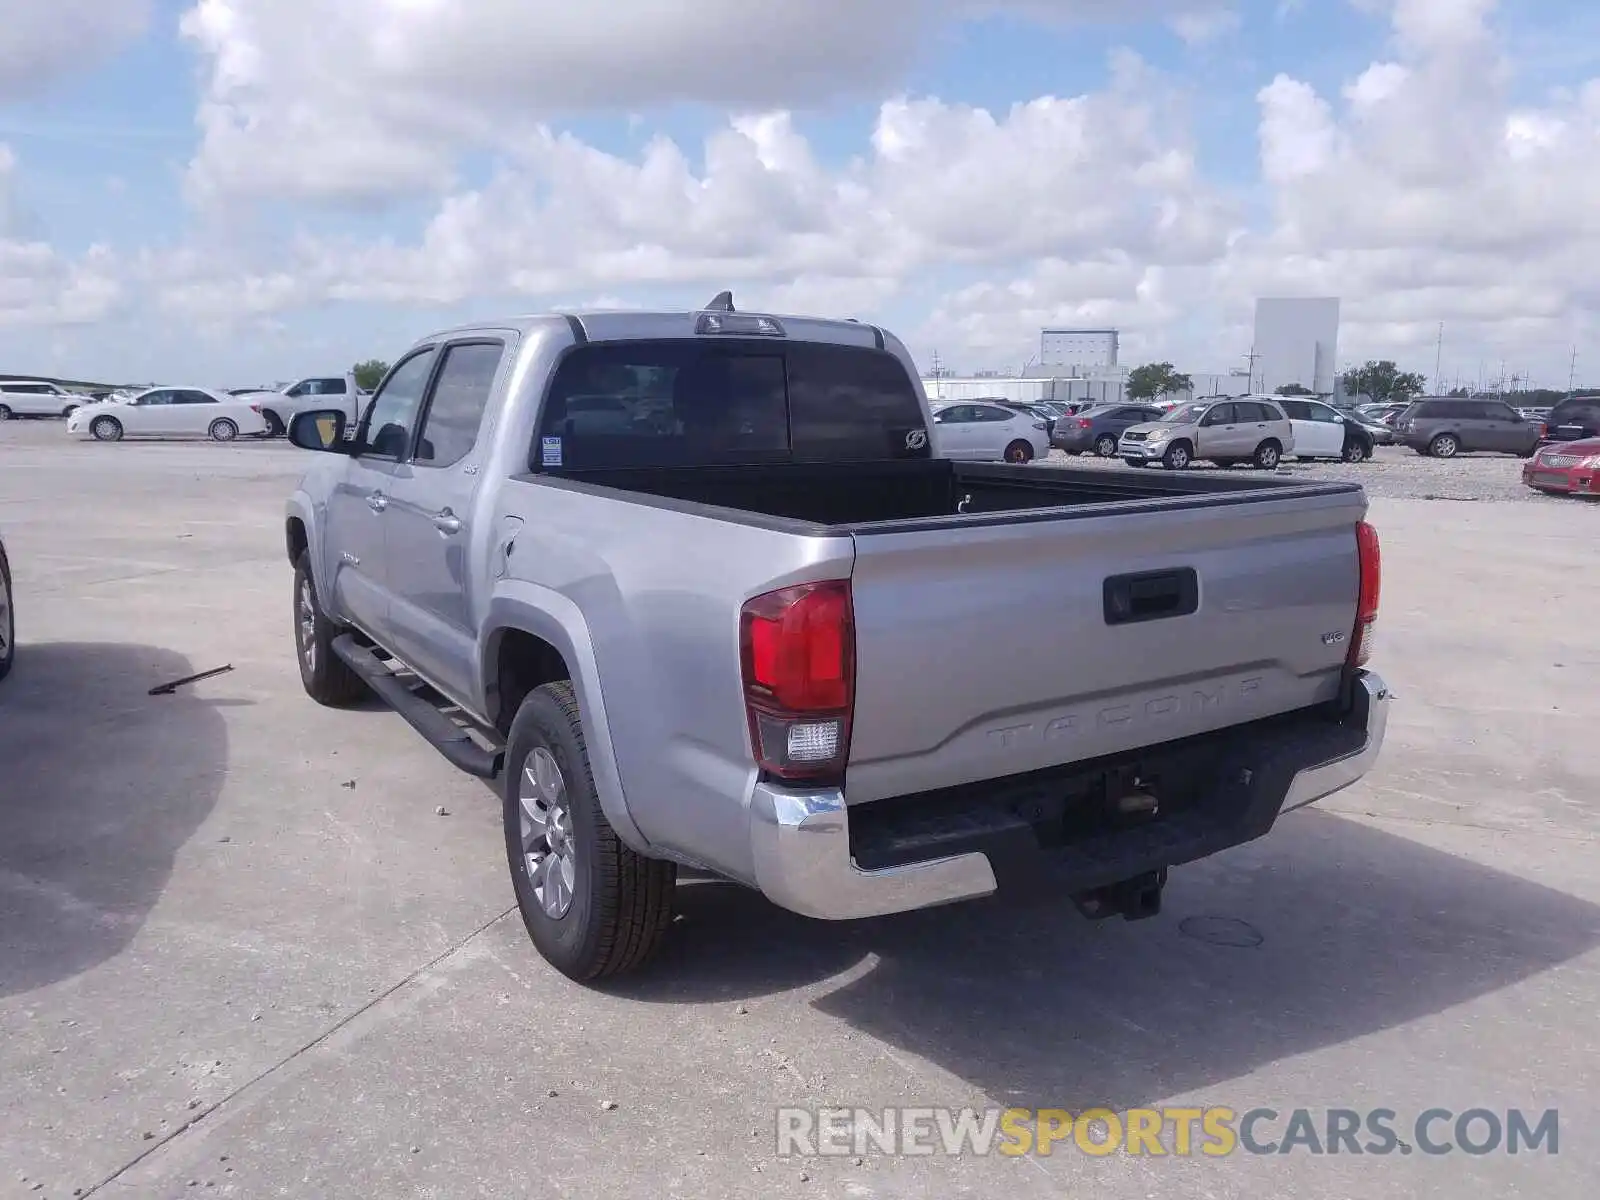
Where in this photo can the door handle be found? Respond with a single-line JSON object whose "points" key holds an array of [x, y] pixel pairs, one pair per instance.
{"points": [[446, 521], [377, 502]]}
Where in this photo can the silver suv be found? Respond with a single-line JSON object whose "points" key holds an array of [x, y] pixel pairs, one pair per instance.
{"points": [[1223, 431]]}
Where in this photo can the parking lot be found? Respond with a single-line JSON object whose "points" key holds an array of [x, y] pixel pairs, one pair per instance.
{"points": [[242, 953]]}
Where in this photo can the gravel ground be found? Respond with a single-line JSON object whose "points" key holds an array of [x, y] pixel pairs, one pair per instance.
{"points": [[1393, 472]]}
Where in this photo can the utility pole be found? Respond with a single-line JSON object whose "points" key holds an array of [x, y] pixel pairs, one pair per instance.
{"points": [[1438, 355], [1251, 359], [1572, 372]]}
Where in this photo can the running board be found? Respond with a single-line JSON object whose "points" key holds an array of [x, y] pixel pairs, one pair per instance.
{"points": [[421, 713]]}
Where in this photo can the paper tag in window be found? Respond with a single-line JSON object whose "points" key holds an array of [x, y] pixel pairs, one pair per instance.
{"points": [[550, 451]]}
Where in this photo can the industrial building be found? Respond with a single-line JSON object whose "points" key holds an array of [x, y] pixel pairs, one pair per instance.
{"points": [[1297, 341], [1077, 353], [1103, 389]]}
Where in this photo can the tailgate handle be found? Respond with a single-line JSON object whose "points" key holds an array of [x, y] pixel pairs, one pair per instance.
{"points": [[1151, 596]]}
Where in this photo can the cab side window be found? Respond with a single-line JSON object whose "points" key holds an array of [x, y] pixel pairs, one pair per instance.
{"points": [[392, 417], [456, 408]]}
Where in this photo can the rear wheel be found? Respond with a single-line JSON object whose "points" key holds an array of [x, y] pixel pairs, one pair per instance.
{"points": [[223, 430], [1446, 445], [106, 429], [1267, 455], [1105, 446], [591, 905], [1355, 452], [325, 676], [1177, 457], [1019, 452], [5, 412]]}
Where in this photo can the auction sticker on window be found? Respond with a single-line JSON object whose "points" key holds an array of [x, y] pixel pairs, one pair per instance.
{"points": [[550, 451]]}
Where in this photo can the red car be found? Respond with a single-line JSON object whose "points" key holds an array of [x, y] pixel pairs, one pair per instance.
{"points": [[1569, 467]]}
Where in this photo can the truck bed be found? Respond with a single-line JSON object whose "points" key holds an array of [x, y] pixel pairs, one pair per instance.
{"points": [[851, 497], [1010, 619]]}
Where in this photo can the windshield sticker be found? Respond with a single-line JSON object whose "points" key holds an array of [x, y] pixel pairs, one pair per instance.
{"points": [[550, 451]]}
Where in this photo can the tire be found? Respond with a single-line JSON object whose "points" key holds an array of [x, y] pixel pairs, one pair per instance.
{"points": [[8, 620], [1267, 456], [1355, 452], [1178, 457], [1019, 452], [275, 425], [1105, 446], [106, 429], [613, 911], [325, 676], [223, 430], [1446, 445], [5, 412]]}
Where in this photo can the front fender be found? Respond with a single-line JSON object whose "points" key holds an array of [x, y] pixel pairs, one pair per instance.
{"points": [[300, 507], [549, 615]]}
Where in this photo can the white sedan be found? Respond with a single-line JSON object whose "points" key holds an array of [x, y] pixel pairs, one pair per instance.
{"points": [[169, 412], [988, 432]]}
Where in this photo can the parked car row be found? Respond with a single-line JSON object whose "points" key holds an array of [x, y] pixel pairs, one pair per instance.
{"points": [[185, 411]]}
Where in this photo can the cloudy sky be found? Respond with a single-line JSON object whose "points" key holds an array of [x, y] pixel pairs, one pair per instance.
{"points": [[229, 191]]}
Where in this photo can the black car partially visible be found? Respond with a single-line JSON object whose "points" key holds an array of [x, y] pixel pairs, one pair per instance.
{"points": [[1572, 420]]}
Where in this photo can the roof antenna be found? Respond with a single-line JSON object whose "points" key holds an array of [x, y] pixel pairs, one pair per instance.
{"points": [[722, 302]]}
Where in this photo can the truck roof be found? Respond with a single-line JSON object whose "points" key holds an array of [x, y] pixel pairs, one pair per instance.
{"points": [[625, 325]]}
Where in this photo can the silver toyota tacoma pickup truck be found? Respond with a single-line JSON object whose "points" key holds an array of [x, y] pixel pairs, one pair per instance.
{"points": [[696, 589]]}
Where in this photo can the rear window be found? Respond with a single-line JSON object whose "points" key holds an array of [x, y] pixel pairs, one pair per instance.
{"points": [[685, 402]]}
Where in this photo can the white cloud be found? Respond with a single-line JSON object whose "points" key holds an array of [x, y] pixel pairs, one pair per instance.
{"points": [[1201, 26], [1417, 191], [43, 40], [363, 99], [1081, 178], [38, 287]]}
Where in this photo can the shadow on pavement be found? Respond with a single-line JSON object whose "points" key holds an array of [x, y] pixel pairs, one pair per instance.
{"points": [[100, 786], [1361, 931]]}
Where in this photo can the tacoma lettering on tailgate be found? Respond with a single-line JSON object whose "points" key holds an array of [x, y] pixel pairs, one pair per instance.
{"points": [[1149, 712]]}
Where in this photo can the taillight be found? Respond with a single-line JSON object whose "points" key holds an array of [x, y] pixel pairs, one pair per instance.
{"points": [[1083, 423], [1371, 565], [797, 655], [256, 408], [1544, 431]]}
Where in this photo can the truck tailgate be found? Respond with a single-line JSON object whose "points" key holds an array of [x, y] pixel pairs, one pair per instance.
{"points": [[996, 646]]}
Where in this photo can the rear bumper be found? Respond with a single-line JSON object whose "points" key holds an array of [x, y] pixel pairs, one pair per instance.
{"points": [[808, 859]]}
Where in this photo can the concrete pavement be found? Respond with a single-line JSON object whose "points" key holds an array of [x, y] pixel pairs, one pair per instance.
{"points": [[240, 954]]}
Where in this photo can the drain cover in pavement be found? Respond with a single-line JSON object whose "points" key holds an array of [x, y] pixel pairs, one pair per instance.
{"points": [[1221, 931]]}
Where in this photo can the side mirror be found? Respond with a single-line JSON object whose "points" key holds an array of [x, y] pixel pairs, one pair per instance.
{"points": [[320, 429]]}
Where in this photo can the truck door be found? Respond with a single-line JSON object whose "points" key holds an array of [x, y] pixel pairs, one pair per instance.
{"points": [[355, 550], [431, 532]]}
